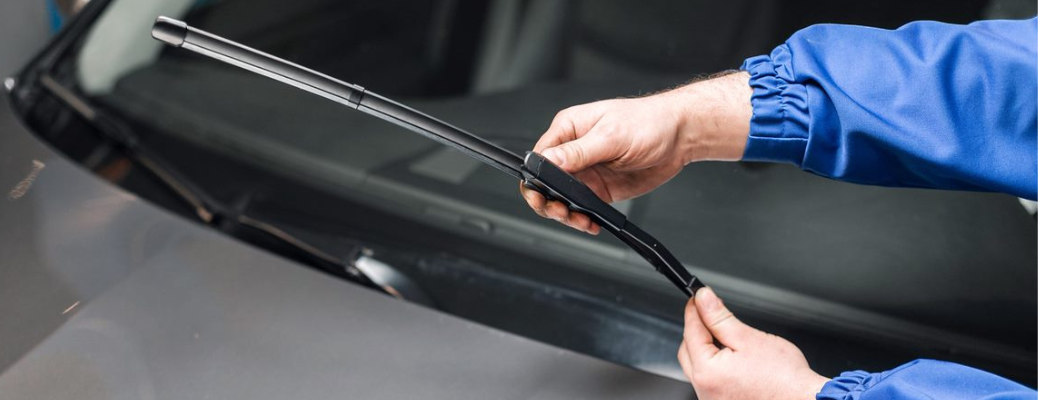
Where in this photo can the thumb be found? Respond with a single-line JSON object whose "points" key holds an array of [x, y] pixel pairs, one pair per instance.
{"points": [[727, 329], [584, 152]]}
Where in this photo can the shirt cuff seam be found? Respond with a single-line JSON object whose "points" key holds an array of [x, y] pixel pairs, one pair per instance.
{"points": [[779, 124]]}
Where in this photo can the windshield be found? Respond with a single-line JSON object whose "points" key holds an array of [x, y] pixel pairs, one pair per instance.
{"points": [[502, 69], [412, 53]]}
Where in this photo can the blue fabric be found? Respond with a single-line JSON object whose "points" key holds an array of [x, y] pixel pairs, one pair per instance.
{"points": [[54, 16], [927, 105], [924, 380]]}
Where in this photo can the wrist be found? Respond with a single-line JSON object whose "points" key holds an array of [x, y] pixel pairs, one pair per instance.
{"points": [[813, 386], [714, 117]]}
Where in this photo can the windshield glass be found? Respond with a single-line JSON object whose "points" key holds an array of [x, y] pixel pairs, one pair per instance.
{"points": [[504, 87], [502, 69]]}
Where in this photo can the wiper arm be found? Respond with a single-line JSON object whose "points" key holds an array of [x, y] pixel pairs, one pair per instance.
{"points": [[534, 170], [116, 132], [206, 208]]}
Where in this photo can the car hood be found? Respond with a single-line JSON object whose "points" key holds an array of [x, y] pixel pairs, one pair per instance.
{"points": [[104, 295]]}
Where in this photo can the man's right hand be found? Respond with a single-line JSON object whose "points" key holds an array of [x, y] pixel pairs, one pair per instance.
{"points": [[624, 148]]}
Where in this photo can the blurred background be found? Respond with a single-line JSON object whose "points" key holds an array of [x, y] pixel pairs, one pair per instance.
{"points": [[25, 25]]}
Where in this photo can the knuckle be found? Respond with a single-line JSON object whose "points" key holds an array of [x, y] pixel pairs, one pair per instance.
{"points": [[608, 131], [705, 382], [720, 317], [565, 113], [726, 322], [622, 163], [577, 153]]}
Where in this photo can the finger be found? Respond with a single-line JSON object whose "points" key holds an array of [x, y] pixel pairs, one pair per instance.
{"points": [[722, 324], [561, 130], [591, 227], [685, 361], [557, 211], [535, 200], [570, 124], [584, 152], [580, 221], [596, 181], [539, 204], [698, 341]]}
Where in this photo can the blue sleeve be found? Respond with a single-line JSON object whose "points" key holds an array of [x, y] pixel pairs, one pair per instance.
{"points": [[927, 105], [924, 380]]}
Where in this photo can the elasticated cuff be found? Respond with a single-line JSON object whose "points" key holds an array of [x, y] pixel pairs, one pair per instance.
{"points": [[848, 386], [779, 127]]}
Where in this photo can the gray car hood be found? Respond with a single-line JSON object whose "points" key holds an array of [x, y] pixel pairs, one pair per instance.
{"points": [[105, 296]]}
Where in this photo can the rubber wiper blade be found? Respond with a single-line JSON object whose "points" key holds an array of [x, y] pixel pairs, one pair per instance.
{"points": [[179, 34], [534, 170]]}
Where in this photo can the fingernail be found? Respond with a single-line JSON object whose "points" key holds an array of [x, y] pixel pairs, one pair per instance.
{"points": [[706, 299], [556, 156]]}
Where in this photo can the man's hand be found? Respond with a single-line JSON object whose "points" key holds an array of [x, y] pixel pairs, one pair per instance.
{"points": [[751, 365], [624, 148]]}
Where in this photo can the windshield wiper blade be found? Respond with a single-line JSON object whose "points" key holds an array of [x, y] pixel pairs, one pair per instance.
{"points": [[178, 34], [534, 170]]}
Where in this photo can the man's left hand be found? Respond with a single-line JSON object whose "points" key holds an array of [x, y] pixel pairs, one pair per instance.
{"points": [[750, 365]]}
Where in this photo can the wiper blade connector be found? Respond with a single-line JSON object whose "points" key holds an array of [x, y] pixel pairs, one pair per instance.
{"points": [[534, 170]]}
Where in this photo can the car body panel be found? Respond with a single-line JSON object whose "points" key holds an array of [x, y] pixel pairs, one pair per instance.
{"points": [[108, 296]]}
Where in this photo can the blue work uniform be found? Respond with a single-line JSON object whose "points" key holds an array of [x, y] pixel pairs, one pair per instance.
{"points": [[928, 105]]}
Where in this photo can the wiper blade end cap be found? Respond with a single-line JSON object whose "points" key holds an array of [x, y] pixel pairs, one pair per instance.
{"points": [[169, 30]]}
